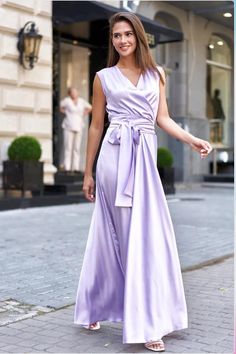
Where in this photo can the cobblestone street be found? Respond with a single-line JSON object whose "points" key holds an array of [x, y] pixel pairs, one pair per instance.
{"points": [[42, 251]]}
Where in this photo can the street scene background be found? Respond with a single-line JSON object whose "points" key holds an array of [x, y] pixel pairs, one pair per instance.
{"points": [[42, 248]]}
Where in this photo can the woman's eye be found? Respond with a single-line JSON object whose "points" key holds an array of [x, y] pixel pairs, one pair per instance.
{"points": [[117, 35]]}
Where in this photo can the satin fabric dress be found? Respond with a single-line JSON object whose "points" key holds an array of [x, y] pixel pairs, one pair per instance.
{"points": [[131, 270]]}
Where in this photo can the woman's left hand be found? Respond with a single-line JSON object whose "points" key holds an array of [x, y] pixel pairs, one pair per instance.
{"points": [[202, 146]]}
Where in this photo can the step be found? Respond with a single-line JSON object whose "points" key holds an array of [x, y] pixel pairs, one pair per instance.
{"points": [[223, 167], [221, 177], [40, 201], [64, 188], [226, 185], [62, 177]]}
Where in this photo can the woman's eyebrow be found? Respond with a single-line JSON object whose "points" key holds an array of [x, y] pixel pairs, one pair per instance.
{"points": [[124, 32]]}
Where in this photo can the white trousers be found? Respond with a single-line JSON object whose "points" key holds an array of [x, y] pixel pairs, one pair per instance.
{"points": [[72, 144]]}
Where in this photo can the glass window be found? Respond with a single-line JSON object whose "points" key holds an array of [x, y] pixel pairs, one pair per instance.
{"points": [[218, 89], [219, 51]]}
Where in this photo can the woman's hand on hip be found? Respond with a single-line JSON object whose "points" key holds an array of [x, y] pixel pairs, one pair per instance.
{"points": [[88, 188], [202, 146]]}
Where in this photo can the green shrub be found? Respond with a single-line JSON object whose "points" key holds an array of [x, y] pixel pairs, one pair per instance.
{"points": [[24, 148], [164, 157]]}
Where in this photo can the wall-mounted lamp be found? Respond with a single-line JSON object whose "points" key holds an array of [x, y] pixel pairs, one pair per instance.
{"points": [[28, 45]]}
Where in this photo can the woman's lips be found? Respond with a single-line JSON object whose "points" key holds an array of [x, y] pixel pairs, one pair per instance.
{"points": [[124, 47]]}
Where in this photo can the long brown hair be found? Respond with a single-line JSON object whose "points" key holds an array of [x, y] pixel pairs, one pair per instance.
{"points": [[143, 56]]}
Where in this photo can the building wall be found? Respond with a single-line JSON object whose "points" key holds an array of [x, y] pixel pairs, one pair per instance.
{"points": [[26, 96], [186, 86]]}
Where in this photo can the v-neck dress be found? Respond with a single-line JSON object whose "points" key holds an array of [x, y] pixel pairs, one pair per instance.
{"points": [[131, 270]]}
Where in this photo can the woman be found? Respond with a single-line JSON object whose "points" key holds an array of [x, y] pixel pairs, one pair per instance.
{"points": [[131, 269], [75, 109]]}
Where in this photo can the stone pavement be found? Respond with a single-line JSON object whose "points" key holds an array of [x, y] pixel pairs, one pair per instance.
{"points": [[209, 294], [41, 249], [41, 252]]}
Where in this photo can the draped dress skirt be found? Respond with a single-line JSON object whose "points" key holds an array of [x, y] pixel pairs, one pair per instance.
{"points": [[131, 270]]}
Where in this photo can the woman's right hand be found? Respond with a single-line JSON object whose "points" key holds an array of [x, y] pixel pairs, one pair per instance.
{"points": [[202, 146], [88, 188]]}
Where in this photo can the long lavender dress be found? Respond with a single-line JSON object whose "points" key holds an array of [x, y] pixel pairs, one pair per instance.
{"points": [[131, 269]]}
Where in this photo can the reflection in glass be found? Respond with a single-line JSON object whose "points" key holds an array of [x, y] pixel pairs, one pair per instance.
{"points": [[218, 88]]}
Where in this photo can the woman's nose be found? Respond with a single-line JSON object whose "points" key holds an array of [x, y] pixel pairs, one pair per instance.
{"points": [[123, 39]]}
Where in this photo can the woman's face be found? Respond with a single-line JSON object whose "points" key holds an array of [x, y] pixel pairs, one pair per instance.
{"points": [[124, 39]]}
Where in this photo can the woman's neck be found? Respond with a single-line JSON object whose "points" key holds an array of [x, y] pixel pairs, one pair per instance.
{"points": [[127, 63]]}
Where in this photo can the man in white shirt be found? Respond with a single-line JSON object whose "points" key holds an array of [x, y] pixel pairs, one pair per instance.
{"points": [[75, 109]]}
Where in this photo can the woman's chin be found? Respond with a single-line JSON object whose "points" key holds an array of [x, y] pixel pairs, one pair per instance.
{"points": [[125, 54]]}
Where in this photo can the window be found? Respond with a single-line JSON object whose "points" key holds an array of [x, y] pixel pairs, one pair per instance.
{"points": [[218, 89]]}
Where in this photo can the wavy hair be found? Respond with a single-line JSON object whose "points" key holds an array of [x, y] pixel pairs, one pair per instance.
{"points": [[143, 56]]}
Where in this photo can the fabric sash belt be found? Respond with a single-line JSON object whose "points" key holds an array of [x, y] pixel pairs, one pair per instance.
{"points": [[126, 133]]}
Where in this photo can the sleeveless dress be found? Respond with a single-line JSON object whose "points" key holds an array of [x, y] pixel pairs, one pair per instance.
{"points": [[131, 270]]}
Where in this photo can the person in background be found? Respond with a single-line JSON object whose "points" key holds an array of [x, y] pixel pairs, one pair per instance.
{"points": [[217, 106], [75, 109], [218, 113]]}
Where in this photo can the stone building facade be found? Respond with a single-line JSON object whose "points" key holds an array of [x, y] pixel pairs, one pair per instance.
{"points": [[26, 95], [193, 74]]}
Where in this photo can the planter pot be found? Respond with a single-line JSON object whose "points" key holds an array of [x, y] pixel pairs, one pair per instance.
{"points": [[23, 175], [167, 175]]}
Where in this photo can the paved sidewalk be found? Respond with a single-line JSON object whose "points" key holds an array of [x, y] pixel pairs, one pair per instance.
{"points": [[209, 293], [41, 249]]}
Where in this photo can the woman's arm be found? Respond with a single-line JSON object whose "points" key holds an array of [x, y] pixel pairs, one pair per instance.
{"points": [[172, 128], [94, 136]]}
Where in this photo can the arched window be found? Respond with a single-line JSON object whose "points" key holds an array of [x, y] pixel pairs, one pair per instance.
{"points": [[219, 71]]}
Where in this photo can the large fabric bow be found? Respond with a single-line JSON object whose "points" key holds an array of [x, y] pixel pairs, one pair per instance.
{"points": [[128, 137]]}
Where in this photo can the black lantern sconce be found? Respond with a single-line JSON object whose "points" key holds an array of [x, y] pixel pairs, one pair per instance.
{"points": [[29, 41]]}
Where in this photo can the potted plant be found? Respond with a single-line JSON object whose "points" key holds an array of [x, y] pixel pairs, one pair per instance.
{"points": [[166, 171], [23, 170]]}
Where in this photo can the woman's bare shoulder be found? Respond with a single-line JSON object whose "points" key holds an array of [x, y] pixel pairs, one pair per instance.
{"points": [[161, 72], [104, 70]]}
